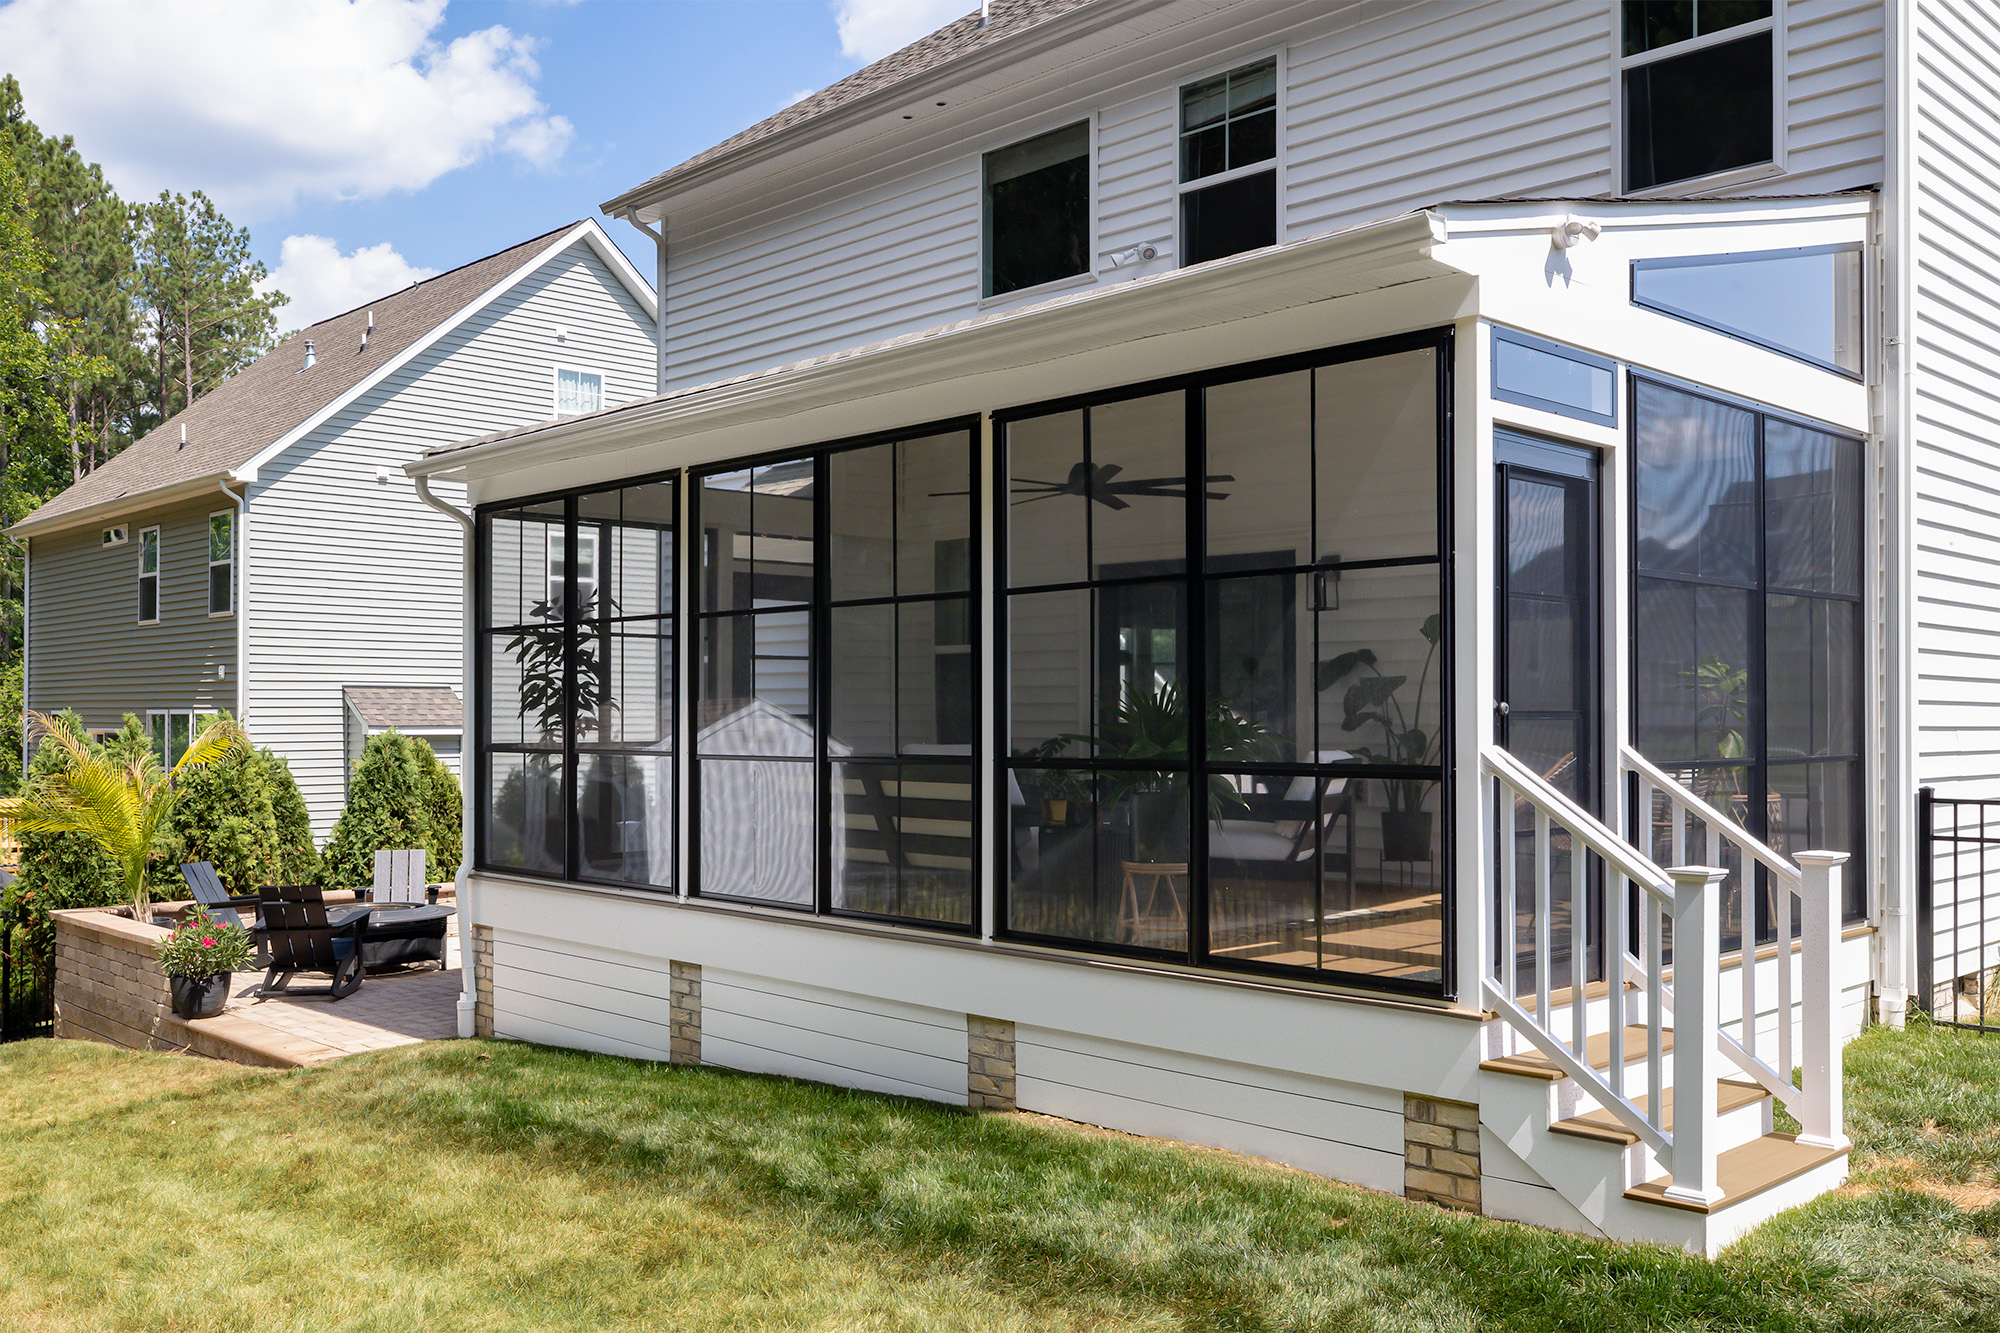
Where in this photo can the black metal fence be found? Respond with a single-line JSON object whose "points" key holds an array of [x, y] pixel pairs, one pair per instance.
{"points": [[1958, 909], [27, 990]]}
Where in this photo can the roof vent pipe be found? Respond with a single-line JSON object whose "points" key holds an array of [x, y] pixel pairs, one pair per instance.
{"points": [[985, 12], [184, 435], [368, 332], [310, 358]]}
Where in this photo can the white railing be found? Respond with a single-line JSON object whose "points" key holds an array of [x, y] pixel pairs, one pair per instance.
{"points": [[1652, 910], [1805, 1030]]}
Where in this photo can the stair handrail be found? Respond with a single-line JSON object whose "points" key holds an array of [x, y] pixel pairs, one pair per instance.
{"points": [[1816, 879]]}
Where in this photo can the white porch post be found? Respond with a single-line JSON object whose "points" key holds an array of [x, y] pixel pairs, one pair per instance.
{"points": [[1821, 1111], [1697, 1004]]}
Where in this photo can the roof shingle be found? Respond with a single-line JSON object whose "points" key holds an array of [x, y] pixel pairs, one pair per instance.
{"points": [[427, 706], [231, 423]]}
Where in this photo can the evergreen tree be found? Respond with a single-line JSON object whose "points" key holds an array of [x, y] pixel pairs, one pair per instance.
{"points": [[197, 284], [298, 863], [388, 806], [444, 813]]}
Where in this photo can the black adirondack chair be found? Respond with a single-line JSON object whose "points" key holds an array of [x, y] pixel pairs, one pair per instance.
{"points": [[215, 901], [295, 931]]}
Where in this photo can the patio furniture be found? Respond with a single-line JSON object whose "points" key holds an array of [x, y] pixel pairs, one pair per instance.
{"points": [[295, 929], [215, 901], [399, 876], [398, 934], [1139, 909]]}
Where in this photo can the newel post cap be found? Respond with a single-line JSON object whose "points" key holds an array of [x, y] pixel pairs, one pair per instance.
{"points": [[1821, 858]]}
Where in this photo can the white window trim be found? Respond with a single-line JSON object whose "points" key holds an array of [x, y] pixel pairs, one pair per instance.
{"points": [[555, 387], [1756, 171], [209, 565], [1086, 278], [159, 562], [1275, 164]]}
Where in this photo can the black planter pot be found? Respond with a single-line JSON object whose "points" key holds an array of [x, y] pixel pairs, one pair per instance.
{"points": [[1406, 835], [200, 997]]}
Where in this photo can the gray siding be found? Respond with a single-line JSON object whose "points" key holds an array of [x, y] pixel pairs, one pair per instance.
{"points": [[1389, 105], [1957, 396], [86, 649], [355, 581]]}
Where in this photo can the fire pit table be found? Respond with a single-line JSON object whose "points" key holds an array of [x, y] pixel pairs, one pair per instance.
{"points": [[397, 933]]}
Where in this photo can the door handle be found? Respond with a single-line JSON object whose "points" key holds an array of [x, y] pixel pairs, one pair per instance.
{"points": [[1501, 708]]}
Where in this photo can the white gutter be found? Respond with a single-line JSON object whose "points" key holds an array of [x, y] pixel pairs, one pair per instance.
{"points": [[468, 996], [241, 592]]}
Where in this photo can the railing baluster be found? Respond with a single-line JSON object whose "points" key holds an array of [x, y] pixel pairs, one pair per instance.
{"points": [[1746, 930], [1781, 908], [1649, 923], [1509, 915], [1544, 917], [1579, 946], [1677, 848]]}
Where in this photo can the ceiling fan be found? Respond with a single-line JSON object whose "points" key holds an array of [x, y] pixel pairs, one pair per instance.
{"points": [[1098, 483]]}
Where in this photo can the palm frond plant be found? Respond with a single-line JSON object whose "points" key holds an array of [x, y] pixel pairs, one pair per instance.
{"points": [[122, 806]]}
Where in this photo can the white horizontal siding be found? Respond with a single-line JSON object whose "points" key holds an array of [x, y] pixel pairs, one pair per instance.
{"points": [[357, 582], [768, 1026], [1344, 1130], [566, 994], [86, 649], [1833, 97]]}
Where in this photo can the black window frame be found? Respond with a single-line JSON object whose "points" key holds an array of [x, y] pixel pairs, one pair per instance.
{"points": [[1767, 29], [570, 753], [1639, 266], [1857, 881], [1198, 576], [819, 608]]}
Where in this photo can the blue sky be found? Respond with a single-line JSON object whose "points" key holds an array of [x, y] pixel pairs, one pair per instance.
{"points": [[367, 143]]}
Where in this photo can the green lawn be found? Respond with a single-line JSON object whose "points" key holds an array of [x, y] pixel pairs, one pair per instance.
{"points": [[486, 1186]]}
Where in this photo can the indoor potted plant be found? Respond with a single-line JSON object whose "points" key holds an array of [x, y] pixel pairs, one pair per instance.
{"points": [[198, 959], [1152, 725], [1372, 701]]}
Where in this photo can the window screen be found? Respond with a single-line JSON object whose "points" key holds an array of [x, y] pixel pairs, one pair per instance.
{"points": [[1038, 210], [1693, 107], [1229, 124]]}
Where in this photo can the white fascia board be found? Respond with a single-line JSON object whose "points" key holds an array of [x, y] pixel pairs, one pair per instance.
{"points": [[133, 502], [1340, 263], [413, 731], [581, 231]]}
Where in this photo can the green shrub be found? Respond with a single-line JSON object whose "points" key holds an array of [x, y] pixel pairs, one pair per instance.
{"points": [[243, 815], [11, 705], [400, 796], [298, 861]]}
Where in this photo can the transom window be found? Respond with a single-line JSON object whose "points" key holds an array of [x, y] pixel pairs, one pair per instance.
{"points": [[221, 563], [1228, 145], [1698, 86], [1747, 624], [1260, 554], [1037, 211], [149, 575]]}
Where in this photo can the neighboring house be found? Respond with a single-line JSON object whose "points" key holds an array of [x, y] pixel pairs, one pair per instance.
{"points": [[1512, 429], [263, 551]]}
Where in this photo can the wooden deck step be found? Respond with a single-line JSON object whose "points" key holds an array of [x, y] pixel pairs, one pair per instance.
{"points": [[1597, 1051], [1730, 1095], [1746, 1171]]}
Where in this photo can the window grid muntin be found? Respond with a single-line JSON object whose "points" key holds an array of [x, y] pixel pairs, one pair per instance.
{"points": [[1195, 579], [1627, 62]]}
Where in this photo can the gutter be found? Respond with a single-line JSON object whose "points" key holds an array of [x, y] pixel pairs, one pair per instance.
{"points": [[468, 996], [131, 502]]}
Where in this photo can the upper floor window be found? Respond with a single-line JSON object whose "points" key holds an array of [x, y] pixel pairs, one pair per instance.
{"points": [[578, 391], [1038, 210], [149, 576], [221, 562], [1698, 78], [1229, 152]]}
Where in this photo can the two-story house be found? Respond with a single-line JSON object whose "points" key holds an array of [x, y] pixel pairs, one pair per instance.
{"points": [[1326, 579], [263, 551]]}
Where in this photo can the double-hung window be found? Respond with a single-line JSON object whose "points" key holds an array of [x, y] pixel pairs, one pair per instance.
{"points": [[149, 576], [1698, 82], [221, 563], [1037, 205], [578, 391], [1229, 152]]}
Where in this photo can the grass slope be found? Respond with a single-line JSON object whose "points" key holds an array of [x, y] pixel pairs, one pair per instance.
{"points": [[471, 1185]]}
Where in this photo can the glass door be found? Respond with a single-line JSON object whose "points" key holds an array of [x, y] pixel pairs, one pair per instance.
{"points": [[1548, 700]]}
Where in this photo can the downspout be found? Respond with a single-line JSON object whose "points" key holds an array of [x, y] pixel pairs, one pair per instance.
{"points": [[468, 996], [1898, 940], [242, 594], [659, 297]]}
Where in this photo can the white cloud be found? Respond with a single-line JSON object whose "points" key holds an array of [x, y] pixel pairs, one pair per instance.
{"points": [[260, 104], [323, 282], [871, 29]]}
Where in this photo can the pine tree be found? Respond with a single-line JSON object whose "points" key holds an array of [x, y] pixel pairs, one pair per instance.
{"points": [[197, 283], [386, 808], [443, 813]]}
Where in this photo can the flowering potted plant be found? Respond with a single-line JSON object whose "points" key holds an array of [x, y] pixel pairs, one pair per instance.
{"points": [[198, 958]]}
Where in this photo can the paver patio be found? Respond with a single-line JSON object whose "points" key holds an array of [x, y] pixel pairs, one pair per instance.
{"points": [[398, 1008]]}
